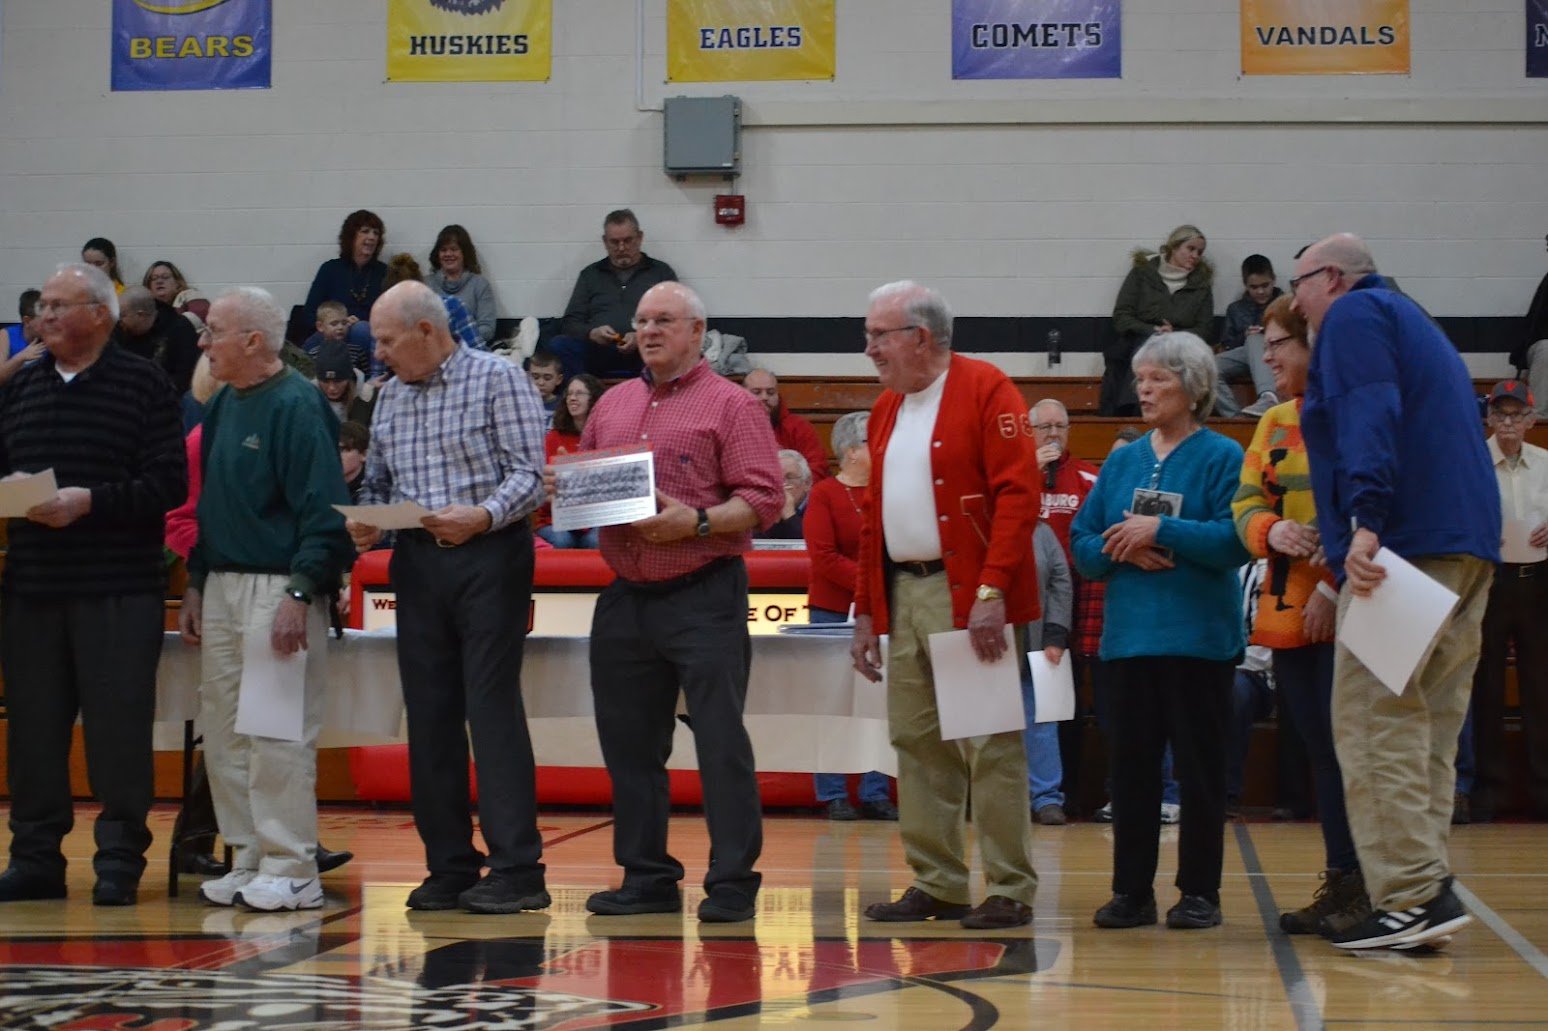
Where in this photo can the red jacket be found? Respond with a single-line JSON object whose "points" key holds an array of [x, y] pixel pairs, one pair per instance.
{"points": [[797, 434], [984, 463], [832, 531], [1073, 480]]}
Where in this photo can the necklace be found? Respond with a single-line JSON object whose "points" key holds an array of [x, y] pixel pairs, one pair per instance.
{"points": [[849, 492]]}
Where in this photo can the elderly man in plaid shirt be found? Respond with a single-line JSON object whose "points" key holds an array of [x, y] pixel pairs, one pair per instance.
{"points": [[460, 432]]}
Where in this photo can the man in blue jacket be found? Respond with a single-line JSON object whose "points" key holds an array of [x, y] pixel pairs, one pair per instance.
{"points": [[1397, 460]]}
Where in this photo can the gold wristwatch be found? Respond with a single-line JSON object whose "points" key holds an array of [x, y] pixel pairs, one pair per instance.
{"points": [[987, 593]]}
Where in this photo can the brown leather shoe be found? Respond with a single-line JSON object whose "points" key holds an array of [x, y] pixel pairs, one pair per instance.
{"points": [[998, 911], [914, 905]]}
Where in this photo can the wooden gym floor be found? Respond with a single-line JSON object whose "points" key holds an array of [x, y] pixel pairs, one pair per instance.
{"points": [[809, 960]]}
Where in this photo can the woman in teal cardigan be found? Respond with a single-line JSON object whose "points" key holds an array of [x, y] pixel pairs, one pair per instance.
{"points": [[1157, 529]]}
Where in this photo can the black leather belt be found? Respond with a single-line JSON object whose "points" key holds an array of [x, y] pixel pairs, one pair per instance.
{"points": [[921, 568], [1521, 570]]}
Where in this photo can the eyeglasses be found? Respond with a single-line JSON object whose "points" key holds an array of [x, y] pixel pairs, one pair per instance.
{"points": [[662, 323], [1298, 280], [1499, 416], [873, 335], [46, 307], [1050, 427], [1276, 343]]}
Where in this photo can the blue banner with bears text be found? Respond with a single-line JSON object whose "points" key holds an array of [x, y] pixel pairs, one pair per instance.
{"points": [[191, 44]]}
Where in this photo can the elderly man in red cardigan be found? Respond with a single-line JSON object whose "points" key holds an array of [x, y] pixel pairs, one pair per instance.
{"points": [[946, 543]]}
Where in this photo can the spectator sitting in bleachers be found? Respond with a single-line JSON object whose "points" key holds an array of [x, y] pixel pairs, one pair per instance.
{"points": [[154, 330], [597, 335], [790, 430], [832, 526], [354, 278], [354, 442], [1241, 342], [99, 252], [569, 422], [798, 487], [23, 342], [339, 382], [166, 283], [1162, 293], [546, 373], [455, 272], [333, 326]]}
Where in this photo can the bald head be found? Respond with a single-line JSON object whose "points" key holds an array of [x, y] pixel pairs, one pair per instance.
{"points": [[1326, 271], [1345, 250], [413, 334], [764, 385], [136, 310]]}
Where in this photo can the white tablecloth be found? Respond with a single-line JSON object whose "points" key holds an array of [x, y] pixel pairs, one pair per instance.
{"points": [[805, 711]]}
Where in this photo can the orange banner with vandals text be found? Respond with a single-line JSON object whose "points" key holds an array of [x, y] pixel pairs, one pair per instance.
{"points": [[1325, 37]]}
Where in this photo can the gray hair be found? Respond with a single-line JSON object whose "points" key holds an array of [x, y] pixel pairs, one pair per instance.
{"points": [[1348, 252], [415, 303], [138, 300], [1051, 402], [850, 431], [98, 285], [1189, 359], [922, 306], [801, 464], [256, 311]]}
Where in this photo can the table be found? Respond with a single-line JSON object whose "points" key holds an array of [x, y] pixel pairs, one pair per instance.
{"points": [[805, 710]]}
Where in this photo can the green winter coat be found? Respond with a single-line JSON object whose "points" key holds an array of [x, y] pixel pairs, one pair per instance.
{"points": [[1144, 302]]}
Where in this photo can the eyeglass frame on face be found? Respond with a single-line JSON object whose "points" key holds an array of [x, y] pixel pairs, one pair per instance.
{"points": [[664, 323], [873, 335], [43, 308], [1296, 281], [1278, 342], [1050, 427], [1511, 417]]}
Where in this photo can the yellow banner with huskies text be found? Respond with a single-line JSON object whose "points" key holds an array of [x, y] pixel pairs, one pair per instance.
{"points": [[469, 40], [750, 40], [1325, 37]]}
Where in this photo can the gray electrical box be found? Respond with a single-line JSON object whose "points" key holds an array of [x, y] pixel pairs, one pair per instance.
{"points": [[703, 135]]}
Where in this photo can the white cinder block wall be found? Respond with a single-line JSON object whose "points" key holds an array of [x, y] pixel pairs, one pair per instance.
{"points": [[1016, 198]]}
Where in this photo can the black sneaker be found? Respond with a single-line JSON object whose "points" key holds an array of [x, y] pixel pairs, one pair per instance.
{"points": [[504, 891], [1192, 913], [440, 891], [627, 901], [17, 886], [1416, 925], [110, 892], [727, 907], [880, 809], [841, 810], [1127, 911]]}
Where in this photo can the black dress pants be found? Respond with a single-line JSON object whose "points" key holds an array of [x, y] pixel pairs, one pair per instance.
{"points": [[1518, 607], [647, 642], [1153, 700], [462, 624], [94, 658]]}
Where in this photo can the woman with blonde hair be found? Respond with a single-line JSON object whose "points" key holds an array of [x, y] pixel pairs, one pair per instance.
{"points": [[1165, 291]]}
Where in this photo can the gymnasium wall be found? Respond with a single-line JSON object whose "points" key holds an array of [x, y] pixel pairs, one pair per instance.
{"points": [[1017, 198]]}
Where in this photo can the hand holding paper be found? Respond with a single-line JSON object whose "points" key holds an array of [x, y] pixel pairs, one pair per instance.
{"points": [[405, 515], [20, 492], [1391, 627]]}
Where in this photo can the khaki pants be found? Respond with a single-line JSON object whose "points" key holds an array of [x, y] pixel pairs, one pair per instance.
{"points": [[934, 776], [264, 789], [1398, 752]]}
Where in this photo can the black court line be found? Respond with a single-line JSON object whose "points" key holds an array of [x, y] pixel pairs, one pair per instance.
{"points": [[1303, 1002], [577, 833]]}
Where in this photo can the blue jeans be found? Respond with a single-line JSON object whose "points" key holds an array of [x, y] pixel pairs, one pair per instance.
{"points": [[1045, 770], [833, 786], [569, 538], [1304, 677], [1467, 757], [1171, 794], [578, 355], [1251, 700]]}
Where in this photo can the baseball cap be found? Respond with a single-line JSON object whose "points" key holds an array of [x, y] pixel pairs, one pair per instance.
{"points": [[1513, 389], [332, 362]]}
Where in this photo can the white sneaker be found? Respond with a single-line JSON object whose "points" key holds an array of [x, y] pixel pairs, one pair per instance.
{"points": [[1266, 400], [222, 891], [1171, 812], [270, 894]]}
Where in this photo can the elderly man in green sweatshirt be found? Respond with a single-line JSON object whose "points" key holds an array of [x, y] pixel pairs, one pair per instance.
{"points": [[271, 546]]}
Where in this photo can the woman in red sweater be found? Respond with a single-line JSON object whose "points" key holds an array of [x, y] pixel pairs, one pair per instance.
{"points": [[832, 530], [577, 400]]}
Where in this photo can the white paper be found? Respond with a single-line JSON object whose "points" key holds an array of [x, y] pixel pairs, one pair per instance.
{"points": [[603, 488], [273, 690], [1053, 687], [1393, 628], [1516, 546], [24, 492], [972, 697], [404, 515]]}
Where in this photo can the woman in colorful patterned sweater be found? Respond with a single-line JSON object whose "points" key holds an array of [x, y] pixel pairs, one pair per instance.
{"points": [[1277, 520]]}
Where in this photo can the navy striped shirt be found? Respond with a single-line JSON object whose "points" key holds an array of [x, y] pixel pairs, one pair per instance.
{"points": [[115, 429]]}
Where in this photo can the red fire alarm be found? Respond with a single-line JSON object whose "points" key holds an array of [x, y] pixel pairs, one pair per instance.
{"points": [[730, 209]]}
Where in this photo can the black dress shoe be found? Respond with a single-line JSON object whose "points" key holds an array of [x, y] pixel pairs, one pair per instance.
{"points": [[1127, 911], [327, 859], [726, 907], [17, 886], [914, 904], [202, 863], [630, 901], [841, 810], [880, 809], [109, 892]]}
